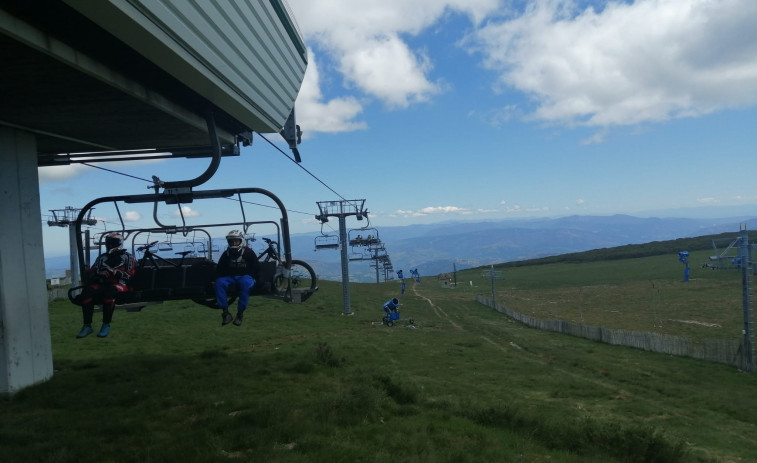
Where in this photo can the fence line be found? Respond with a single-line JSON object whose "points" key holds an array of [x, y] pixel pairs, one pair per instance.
{"points": [[719, 351], [57, 293]]}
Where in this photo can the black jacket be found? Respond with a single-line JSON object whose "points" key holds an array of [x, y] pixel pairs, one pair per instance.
{"points": [[246, 264]]}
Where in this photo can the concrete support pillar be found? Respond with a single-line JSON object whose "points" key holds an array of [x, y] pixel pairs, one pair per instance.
{"points": [[25, 343]]}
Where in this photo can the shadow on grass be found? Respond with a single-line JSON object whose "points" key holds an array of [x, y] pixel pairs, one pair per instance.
{"points": [[280, 406]]}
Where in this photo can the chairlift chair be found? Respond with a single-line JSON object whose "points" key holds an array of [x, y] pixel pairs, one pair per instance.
{"points": [[191, 278], [326, 242], [362, 236]]}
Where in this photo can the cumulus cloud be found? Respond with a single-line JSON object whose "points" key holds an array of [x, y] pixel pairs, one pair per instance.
{"points": [[443, 210], [406, 213], [132, 216], [628, 63], [317, 115], [186, 211], [53, 174], [708, 200], [370, 50]]}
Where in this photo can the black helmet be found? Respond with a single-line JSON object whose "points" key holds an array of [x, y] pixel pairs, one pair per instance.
{"points": [[114, 241]]}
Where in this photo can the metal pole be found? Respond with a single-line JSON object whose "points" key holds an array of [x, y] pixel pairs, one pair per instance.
{"points": [[746, 264], [345, 261], [75, 279], [494, 302]]}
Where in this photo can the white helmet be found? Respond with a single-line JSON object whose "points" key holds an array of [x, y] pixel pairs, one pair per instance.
{"points": [[235, 239]]}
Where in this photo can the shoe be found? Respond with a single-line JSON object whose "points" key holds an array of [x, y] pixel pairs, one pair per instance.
{"points": [[104, 330], [226, 318], [86, 330], [238, 320]]}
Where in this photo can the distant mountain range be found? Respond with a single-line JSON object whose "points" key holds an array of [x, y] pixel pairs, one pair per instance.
{"points": [[434, 249]]}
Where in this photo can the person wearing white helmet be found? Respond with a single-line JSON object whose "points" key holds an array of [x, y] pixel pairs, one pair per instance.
{"points": [[238, 266], [107, 277]]}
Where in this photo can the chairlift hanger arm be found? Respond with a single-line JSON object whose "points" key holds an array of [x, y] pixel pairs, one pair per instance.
{"points": [[215, 161]]}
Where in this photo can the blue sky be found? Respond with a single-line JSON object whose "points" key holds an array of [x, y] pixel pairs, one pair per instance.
{"points": [[435, 110]]}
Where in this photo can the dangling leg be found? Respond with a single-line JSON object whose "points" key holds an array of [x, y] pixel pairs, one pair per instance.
{"points": [[87, 310], [245, 284], [109, 306], [222, 284]]}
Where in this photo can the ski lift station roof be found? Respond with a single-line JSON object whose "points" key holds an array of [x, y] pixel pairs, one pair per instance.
{"points": [[103, 75]]}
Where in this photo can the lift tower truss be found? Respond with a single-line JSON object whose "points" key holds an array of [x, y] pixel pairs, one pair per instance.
{"points": [[67, 218], [341, 210]]}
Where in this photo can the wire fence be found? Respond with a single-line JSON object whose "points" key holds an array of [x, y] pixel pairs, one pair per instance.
{"points": [[729, 352], [57, 293]]}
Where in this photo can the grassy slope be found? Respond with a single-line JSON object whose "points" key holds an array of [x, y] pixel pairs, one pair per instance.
{"points": [[640, 294], [303, 383]]}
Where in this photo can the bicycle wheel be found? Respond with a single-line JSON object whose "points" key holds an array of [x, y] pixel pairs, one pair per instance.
{"points": [[302, 276]]}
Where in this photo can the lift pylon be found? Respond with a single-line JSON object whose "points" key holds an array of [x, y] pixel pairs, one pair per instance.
{"points": [[67, 218], [341, 210]]}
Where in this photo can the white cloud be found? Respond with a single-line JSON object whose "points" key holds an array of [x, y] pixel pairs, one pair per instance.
{"points": [[430, 210], [518, 209], [708, 200], [53, 174], [315, 115], [650, 60], [132, 216], [443, 210], [186, 211], [366, 41], [580, 202], [597, 138]]}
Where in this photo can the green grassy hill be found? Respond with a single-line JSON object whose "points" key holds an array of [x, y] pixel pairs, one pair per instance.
{"points": [[304, 383]]}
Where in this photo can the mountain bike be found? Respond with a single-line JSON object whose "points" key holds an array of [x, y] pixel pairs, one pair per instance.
{"points": [[157, 261], [300, 277]]}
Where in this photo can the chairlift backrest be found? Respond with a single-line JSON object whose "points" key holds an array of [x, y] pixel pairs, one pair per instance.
{"points": [[326, 242], [362, 236]]}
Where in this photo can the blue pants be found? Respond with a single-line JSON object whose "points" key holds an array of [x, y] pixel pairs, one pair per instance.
{"points": [[243, 283]]}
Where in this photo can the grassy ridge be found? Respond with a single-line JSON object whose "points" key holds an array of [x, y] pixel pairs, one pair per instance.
{"points": [[629, 251], [303, 383]]}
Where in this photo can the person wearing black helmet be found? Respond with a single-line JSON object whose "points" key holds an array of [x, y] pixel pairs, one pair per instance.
{"points": [[238, 266], [107, 277]]}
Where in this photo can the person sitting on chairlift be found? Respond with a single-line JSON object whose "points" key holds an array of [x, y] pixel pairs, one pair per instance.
{"points": [[238, 266], [107, 277]]}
